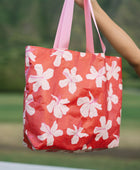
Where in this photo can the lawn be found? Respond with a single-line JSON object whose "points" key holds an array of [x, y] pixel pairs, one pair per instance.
{"points": [[127, 157]]}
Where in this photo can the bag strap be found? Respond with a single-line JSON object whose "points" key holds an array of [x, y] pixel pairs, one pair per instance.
{"points": [[88, 26], [62, 38], [63, 33], [93, 16]]}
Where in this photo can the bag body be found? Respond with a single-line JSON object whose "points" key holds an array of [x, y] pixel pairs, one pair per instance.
{"points": [[72, 100]]}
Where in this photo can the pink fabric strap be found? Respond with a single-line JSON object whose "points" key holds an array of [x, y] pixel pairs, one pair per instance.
{"points": [[62, 38], [89, 32], [93, 16], [64, 28]]}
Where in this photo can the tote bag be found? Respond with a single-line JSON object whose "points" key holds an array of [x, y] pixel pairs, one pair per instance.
{"points": [[72, 100]]}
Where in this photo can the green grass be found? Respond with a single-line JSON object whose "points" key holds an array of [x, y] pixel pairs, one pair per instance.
{"points": [[131, 108], [127, 157], [90, 161], [11, 108]]}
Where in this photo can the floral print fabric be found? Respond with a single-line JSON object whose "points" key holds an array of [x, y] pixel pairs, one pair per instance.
{"points": [[72, 100]]}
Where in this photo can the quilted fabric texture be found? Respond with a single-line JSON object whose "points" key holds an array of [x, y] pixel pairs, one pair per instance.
{"points": [[72, 100]]}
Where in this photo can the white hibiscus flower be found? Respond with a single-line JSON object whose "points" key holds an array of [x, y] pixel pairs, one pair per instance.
{"points": [[30, 110], [89, 107], [99, 76], [58, 107], [40, 80], [113, 71], [49, 133], [71, 79], [61, 54], [112, 98], [114, 143], [103, 130], [29, 56], [76, 133]]}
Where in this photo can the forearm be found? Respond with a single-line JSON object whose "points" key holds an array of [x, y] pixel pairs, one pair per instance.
{"points": [[117, 37]]}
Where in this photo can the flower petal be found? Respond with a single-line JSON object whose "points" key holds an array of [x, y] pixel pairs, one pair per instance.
{"points": [[50, 140], [63, 83], [113, 144], [64, 109], [57, 61], [42, 137], [105, 135], [30, 110], [82, 54], [64, 101], [82, 100], [31, 56], [70, 131], [85, 110], [98, 136], [72, 87], [109, 125], [107, 67], [66, 72], [58, 133], [102, 70], [78, 78], [99, 82], [44, 84], [54, 127], [39, 69], [110, 92], [81, 135], [109, 105], [103, 121], [50, 106], [93, 111], [45, 128], [48, 73], [30, 97], [73, 71], [32, 79], [96, 130], [36, 86], [74, 139], [91, 76], [27, 61], [98, 106], [93, 70], [67, 56], [114, 99], [57, 112]]}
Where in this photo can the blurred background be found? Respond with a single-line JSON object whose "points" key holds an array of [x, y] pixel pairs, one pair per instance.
{"points": [[34, 22]]}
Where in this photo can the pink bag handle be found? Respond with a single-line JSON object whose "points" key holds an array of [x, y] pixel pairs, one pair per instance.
{"points": [[93, 16], [62, 38], [89, 32], [63, 33]]}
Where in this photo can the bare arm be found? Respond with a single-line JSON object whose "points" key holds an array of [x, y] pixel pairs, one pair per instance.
{"points": [[121, 42]]}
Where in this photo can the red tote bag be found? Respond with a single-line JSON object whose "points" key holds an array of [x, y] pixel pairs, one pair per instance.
{"points": [[72, 100]]}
